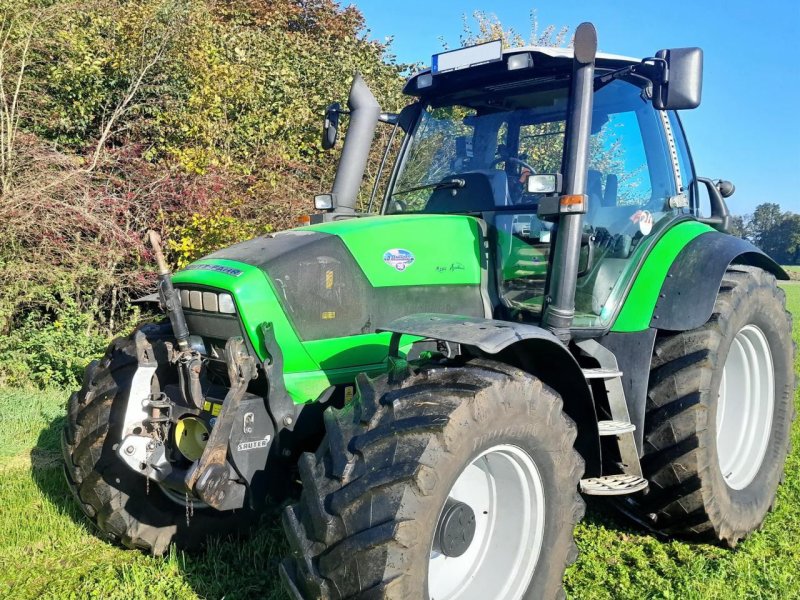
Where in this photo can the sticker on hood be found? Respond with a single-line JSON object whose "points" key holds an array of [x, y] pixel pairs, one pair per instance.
{"points": [[398, 258]]}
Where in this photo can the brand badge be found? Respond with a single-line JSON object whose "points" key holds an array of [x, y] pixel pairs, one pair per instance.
{"points": [[398, 258], [253, 445], [216, 268]]}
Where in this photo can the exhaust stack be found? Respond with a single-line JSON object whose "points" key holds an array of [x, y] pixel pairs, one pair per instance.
{"points": [[560, 310], [364, 113]]}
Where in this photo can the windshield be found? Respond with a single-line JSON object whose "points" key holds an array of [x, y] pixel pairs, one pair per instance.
{"points": [[477, 154]]}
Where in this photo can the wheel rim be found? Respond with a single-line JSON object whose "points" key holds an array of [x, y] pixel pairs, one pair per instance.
{"points": [[504, 489], [745, 407]]}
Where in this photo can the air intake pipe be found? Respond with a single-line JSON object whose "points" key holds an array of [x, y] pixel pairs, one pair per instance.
{"points": [[364, 113]]}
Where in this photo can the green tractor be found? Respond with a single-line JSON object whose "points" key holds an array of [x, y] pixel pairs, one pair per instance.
{"points": [[539, 312]]}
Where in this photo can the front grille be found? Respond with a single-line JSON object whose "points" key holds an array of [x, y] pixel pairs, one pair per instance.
{"points": [[215, 327]]}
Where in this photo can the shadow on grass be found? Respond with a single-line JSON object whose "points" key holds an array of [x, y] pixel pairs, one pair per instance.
{"points": [[228, 567]]}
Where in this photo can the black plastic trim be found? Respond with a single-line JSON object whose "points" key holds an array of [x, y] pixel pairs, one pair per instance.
{"points": [[690, 289], [633, 352]]}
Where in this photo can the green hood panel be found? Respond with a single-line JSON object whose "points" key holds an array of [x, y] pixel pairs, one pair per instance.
{"points": [[256, 303], [443, 249]]}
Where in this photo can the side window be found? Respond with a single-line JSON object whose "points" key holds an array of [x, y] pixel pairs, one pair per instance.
{"points": [[630, 183], [688, 181]]}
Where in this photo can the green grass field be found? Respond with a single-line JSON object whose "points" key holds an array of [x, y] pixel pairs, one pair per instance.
{"points": [[48, 549]]}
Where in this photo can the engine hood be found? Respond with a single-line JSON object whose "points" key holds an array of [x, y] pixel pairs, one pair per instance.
{"points": [[397, 250]]}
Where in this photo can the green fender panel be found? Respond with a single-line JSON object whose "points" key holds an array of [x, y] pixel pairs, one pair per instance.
{"points": [[637, 310]]}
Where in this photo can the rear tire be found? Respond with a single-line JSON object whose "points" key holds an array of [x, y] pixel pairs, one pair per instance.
{"points": [[113, 497], [714, 453], [374, 492]]}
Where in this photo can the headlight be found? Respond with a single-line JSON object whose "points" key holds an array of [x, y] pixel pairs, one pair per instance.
{"points": [[226, 304], [208, 301]]}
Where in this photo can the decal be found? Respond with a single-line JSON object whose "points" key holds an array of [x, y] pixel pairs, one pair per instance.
{"points": [[398, 258], [216, 268], [253, 445], [645, 220], [452, 268]]}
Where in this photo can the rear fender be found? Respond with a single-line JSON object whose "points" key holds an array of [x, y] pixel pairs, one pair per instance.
{"points": [[689, 291], [528, 347]]}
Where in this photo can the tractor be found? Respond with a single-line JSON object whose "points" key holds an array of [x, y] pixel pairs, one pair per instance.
{"points": [[540, 302]]}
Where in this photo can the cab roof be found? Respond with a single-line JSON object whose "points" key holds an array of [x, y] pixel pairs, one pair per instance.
{"points": [[547, 61]]}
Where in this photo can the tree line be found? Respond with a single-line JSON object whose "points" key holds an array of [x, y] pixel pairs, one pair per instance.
{"points": [[774, 231]]}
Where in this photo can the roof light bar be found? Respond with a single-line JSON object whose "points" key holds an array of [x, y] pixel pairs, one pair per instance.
{"points": [[463, 58]]}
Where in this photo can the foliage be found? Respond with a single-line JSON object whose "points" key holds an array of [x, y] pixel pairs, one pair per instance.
{"points": [[51, 348], [775, 232], [203, 234], [199, 118]]}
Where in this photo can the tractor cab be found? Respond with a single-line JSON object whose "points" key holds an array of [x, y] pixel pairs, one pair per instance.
{"points": [[487, 137], [495, 148]]}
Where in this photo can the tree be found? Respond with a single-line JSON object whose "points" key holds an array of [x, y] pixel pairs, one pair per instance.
{"points": [[775, 232]]}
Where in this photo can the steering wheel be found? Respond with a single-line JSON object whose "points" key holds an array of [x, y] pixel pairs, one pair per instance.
{"points": [[513, 159]]}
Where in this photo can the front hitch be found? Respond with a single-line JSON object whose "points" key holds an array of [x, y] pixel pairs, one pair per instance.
{"points": [[211, 477]]}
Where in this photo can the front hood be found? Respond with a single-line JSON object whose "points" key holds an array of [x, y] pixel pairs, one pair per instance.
{"points": [[397, 250]]}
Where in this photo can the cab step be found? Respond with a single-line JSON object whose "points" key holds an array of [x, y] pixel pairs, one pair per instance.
{"points": [[601, 373], [615, 427], [613, 485]]}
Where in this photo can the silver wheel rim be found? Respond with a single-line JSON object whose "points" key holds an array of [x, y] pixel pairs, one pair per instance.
{"points": [[745, 406], [504, 489]]}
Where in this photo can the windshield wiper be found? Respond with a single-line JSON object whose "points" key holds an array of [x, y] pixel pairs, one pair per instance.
{"points": [[440, 185]]}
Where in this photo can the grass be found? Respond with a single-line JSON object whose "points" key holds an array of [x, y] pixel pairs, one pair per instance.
{"points": [[48, 549]]}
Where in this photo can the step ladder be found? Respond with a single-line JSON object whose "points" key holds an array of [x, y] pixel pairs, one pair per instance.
{"points": [[619, 426]]}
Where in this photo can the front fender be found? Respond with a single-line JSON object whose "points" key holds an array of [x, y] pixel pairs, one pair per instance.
{"points": [[527, 347]]}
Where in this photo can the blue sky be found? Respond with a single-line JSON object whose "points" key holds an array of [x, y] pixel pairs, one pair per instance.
{"points": [[747, 128]]}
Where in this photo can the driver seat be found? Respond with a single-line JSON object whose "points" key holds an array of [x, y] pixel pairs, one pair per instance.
{"points": [[483, 190]]}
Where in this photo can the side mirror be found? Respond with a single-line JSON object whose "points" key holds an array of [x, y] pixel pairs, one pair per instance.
{"points": [[681, 82], [330, 129]]}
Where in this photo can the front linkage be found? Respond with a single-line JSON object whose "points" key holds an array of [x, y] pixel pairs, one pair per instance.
{"points": [[227, 440]]}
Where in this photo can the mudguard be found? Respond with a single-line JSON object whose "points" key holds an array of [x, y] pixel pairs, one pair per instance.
{"points": [[528, 347], [690, 288]]}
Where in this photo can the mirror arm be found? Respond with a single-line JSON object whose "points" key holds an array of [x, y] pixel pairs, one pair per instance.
{"points": [[720, 218], [654, 70]]}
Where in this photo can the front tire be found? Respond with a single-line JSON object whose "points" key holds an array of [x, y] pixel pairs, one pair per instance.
{"points": [[719, 414], [371, 518], [118, 501]]}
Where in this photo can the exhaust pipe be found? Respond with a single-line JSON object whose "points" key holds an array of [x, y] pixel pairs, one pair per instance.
{"points": [[364, 113], [560, 310]]}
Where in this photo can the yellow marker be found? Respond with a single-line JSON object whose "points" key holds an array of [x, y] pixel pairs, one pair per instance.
{"points": [[217, 408], [207, 406], [348, 394], [328, 280], [328, 315]]}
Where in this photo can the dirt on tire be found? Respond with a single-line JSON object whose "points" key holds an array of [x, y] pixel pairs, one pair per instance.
{"points": [[373, 491], [688, 494]]}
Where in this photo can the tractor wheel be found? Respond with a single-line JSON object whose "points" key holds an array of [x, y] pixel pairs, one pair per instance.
{"points": [[118, 501], [720, 409], [458, 484]]}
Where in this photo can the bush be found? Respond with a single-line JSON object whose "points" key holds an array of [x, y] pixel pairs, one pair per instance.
{"points": [[203, 234], [51, 348]]}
